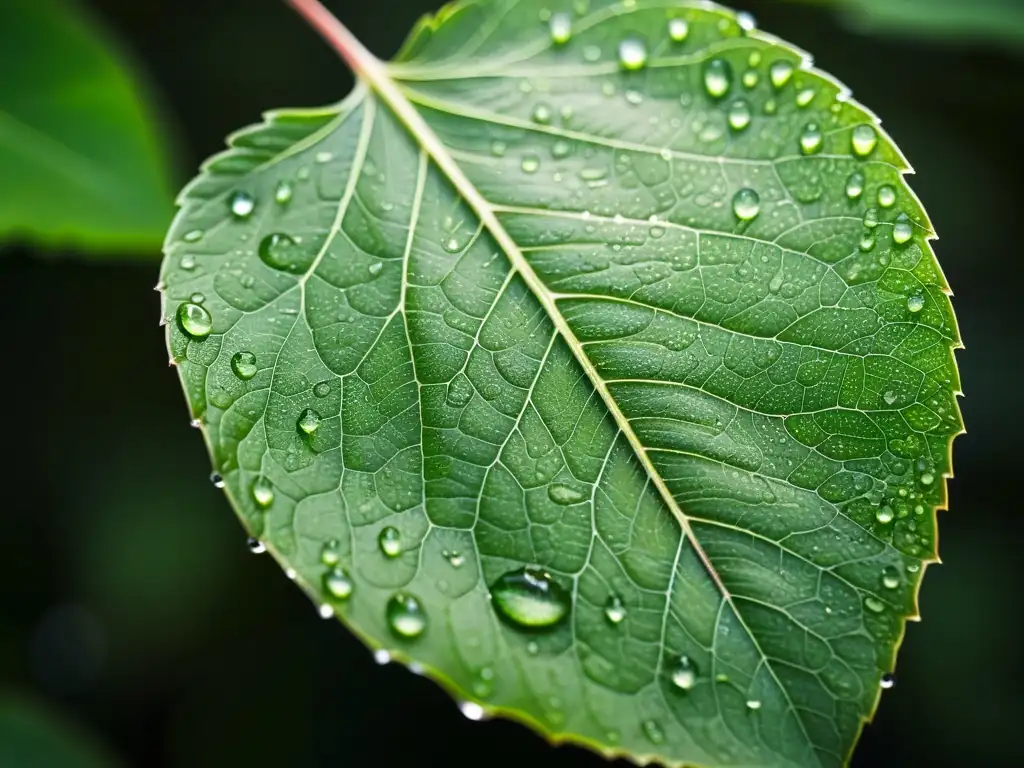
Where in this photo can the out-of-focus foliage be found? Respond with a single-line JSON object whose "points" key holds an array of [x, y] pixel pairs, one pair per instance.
{"points": [[34, 737], [82, 161]]}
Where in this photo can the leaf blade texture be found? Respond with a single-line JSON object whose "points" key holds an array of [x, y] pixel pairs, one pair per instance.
{"points": [[600, 377], [83, 159]]}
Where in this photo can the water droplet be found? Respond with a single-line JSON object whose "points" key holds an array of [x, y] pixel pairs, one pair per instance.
{"points": [[455, 558], [890, 577], [746, 204], [560, 149], [188, 262], [632, 54], [855, 185], [887, 196], [330, 553], [739, 115], [864, 140], [591, 53], [197, 298], [241, 204], [560, 25], [684, 674], [873, 604], [326, 611], [193, 236], [530, 597], [564, 494], [405, 615], [530, 164], [255, 546], [279, 251], [678, 30], [885, 514], [913, 567], [902, 230], [867, 241], [811, 139], [375, 268], [217, 480], [915, 303], [614, 610], [871, 218], [717, 78], [323, 389], [498, 148], [308, 421], [753, 705], [472, 711], [195, 320], [780, 73], [927, 478], [390, 541], [338, 584], [262, 492], [542, 114], [244, 365], [889, 397], [805, 97], [283, 193], [653, 731], [888, 681]]}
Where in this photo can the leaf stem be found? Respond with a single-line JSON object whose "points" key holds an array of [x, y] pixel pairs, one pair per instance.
{"points": [[347, 45]]}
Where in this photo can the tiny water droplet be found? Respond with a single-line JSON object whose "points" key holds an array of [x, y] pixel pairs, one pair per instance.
{"points": [[541, 114], [717, 78], [193, 236], [217, 480], [530, 598], [326, 611], [632, 54], [241, 204], [243, 364], [375, 268], [678, 30], [455, 558], [653, 732], [390, 541], [530, 164], [262, 492], [902, 230], [887, 196], [750, 79], [805, 97], [330, 553], [780, 74], [197, 298], [498, 148], [256, 546], [188, 262], [564, 494], [864, 139], [324, 157], [889, 397], [283, 193], [855, 185], [890, 577], [338, 584], [472, 711], [888, 681], [308, 421], [195, 320], [452, 245], [746, 204], [871, 218], [873, 604], [684, 674], [560, 26], [927, 478], [753, 705], [560, 149], [323, 389], [739, 115], [884, 514], [915, 303], [811, 139], [614, 610], [405, 615]]}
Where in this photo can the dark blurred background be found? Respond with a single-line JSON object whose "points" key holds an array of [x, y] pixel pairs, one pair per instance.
{"points": [[129, 599]]}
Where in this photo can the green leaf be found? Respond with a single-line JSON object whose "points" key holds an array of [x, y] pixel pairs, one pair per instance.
{"points": [[82, 158], [33, 737], [598, 363]]}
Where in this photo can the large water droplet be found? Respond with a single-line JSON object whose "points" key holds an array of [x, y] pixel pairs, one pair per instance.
{"points": [[195, 320], [530, 164], [864, 140], [867, 241], [873, 604], [280, 251], [560, 26], [746, 204], [717, 78], [678, 30], [338, 584], [530, 597], [684, 673], [390, 541], [890, 577], [632, 54], [780, 73], [405, 615], [308, 421], [915, 303], [614, 610], [855, 185], [739, 115], [811, 139], [323, 389], [902, 230], [241, 204], [753, 705], [564, 494], [262, 492], [805, 97], [887, 196], [243, 364], [885, 514]]}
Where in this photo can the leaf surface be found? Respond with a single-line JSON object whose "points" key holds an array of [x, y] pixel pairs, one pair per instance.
{"points": [[627, 296], [81, 158]]}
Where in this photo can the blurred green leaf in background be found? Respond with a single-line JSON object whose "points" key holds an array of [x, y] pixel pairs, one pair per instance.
{"points": [[83, 162], [32, 736]]}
